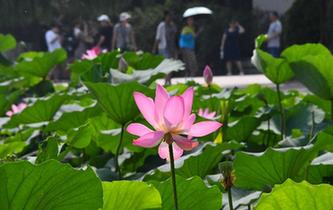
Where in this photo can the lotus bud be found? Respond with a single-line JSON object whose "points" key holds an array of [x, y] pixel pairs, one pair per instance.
{"points": [[227, 171], [208, 75], [122, 65]]}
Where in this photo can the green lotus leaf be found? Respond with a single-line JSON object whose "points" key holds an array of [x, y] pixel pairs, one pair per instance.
{"points": [[242, 129], [50, 185], [192, 194], [315, 72], [74, 119], [261, 171], [130, 195], [80, 137], [297, 52], [275, 69], [145, 76], [117, 100], [7, 42], [40, 65], [200, 163], [41, 111], [11, 148], [321, 169], [260, 40], [292, 195]]}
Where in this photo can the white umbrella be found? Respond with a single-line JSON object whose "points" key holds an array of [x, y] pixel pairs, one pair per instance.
{"points": [[197, 11]]}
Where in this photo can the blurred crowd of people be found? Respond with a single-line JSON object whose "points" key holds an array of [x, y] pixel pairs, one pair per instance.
{"points": [[85, 35], [169, 40]]}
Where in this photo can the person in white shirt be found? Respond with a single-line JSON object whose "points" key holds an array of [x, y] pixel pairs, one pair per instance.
{"points": [[53, 41], [123, 34], [53, 38], [273, 35], [165, 40]]}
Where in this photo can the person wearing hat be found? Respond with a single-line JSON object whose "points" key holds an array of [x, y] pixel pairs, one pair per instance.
{"points": [[105, 33], [123, 34]]}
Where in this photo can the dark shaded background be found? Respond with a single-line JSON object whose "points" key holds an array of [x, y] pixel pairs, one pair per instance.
{"points": [[28, 20]]}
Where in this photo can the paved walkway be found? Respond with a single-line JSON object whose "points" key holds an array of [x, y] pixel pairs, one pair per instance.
{"points": [[240, 81]]}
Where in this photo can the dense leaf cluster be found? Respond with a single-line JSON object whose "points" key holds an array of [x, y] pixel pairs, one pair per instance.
{"points": [[63, 150]]}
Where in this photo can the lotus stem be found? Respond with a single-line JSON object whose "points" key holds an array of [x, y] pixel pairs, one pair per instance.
{"points": [[282, 117], [173, 176], [117, 152], [268, 131], [226, 168], [249, 207], [331, 109], [231, 207], [268, 126], [210, 92], [313, 124]]}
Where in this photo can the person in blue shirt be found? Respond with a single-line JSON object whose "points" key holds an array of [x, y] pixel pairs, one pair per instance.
{"points": [[187, 47]]}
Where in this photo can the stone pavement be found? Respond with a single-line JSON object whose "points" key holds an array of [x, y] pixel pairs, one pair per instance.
{"points": [[240, 81]]}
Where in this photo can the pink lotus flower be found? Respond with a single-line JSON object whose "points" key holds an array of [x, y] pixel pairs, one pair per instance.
{"points": [[16, 109], [173, 123], [206, 114], [208, 75], [92, 53]]}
